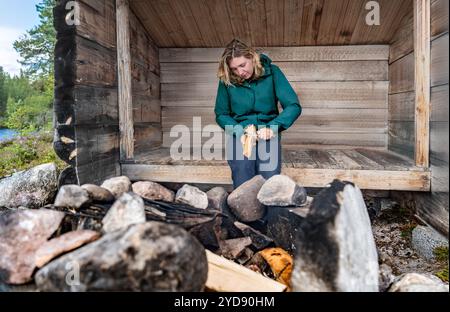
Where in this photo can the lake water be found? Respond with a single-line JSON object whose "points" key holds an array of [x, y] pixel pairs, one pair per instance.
{"points": [[6, 134]]}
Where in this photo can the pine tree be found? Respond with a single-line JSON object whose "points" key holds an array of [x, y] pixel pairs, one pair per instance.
{"points": [[36, 48]]}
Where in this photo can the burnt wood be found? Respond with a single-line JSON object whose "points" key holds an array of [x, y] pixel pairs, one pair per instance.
{"points": [[85, 105]]}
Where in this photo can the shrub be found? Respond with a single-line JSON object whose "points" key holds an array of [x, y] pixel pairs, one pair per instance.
{"points": [[28, 151]]}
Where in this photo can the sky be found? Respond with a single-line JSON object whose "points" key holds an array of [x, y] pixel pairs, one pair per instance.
{"points": [[16, 17]]}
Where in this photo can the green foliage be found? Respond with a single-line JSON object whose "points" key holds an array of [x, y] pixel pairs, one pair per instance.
{"points": [[3, 92], [19, 87], [26, 100], [32, 114], [36, 48], [27, 152], [29, 103], [15, 156]]}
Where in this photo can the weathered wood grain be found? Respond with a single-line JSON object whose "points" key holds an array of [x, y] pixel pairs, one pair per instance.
{"points": [[365, 179], [85, 91], [272, 23], [125, 92], [439, 17], [422, 81]]}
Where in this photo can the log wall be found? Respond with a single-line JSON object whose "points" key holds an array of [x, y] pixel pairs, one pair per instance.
{"points": [[86, 98], [145, 71], [86, 112]]}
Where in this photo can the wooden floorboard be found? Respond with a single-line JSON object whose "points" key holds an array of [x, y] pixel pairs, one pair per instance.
{"points": [[344, 160], [323, 158], [364, 179], [302, 159], [386, 159], [370, 169], [363, 159]]}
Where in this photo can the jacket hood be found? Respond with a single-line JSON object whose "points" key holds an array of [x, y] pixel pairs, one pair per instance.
{"points": [[266, 62]]}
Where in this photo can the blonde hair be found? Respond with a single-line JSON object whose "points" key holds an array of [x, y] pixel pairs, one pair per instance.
{"points": [[237, 48]]}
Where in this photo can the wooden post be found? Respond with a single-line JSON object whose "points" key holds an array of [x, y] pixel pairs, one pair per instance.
{"points": [[422, 36], [126, 126]]}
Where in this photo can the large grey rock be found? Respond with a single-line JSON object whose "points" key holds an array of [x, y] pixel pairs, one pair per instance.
{"points": [[153, 191], [281, 190], [414, 282], [98, 193], [72, 196], [128, 209], [425, 240], [117, 185], [193, 196], [335, 248], [22, 233], [386, 277], [62, 244], [151, 256], [217, 200], [244, 203], [32, 188]]}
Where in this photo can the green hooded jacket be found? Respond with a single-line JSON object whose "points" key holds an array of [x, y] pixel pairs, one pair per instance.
{"points": [[255, 102]]}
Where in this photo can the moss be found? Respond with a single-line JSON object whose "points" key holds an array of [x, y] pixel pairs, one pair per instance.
{"points": [[441, 254], [443, 274]]}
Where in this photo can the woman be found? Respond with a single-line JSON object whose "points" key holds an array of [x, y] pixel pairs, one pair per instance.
{"points": [[246, 108]]}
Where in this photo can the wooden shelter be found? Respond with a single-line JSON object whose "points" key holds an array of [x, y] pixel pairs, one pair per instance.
{"points": [[374, 97]]}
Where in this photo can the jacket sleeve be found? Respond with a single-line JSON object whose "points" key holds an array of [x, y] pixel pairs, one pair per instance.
{"points": [[223, 113], [288, 99]]}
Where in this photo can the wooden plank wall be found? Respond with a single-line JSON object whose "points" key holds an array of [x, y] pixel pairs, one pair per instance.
{"points": [[431, 207], [343, 91], [145, 87], [213, 23], [86, 115], [439, 85], [401, 137], [435, 211]]}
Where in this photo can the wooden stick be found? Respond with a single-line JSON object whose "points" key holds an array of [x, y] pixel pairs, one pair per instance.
{"points": [[225, 275]]}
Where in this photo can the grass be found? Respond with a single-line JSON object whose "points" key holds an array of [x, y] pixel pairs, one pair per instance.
{"points": [[28, 151]]}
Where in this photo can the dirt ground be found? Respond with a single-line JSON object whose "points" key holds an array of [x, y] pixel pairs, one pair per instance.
{"points": [[392, 228]]}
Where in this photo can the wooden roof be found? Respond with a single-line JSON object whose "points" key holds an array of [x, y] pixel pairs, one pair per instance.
{"points": [[213, 23]]}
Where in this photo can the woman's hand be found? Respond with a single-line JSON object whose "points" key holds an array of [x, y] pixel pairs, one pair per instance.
{"points": [[265, 134]]}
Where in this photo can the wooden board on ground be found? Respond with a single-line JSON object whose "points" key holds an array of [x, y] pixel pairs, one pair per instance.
{"points": [[225, 275]]}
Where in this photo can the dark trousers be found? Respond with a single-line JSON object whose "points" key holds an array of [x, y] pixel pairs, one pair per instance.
{"points": [[265, 159]]}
